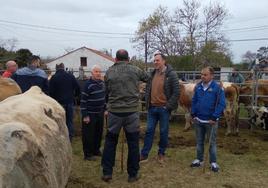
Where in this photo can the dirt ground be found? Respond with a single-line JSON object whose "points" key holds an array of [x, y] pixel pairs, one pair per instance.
{"points": [[243, 163]]}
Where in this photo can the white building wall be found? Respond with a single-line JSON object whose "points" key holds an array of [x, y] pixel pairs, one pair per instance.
{"points": [[225, 71], [72, 61]]}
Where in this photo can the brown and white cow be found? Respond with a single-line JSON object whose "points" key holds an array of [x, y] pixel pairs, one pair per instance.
{"points": [[232, 108], [185, 101], [8, 87], [247, 89]]}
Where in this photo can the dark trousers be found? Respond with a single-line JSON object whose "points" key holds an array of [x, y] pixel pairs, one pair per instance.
{"points": [[69, 112], [130, 125], [92, 135]]}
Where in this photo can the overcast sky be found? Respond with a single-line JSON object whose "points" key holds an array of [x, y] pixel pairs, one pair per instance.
{"points": [[113, 16]]}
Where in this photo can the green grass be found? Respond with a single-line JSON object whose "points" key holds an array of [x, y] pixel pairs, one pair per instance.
{"points": [[248, 169]]}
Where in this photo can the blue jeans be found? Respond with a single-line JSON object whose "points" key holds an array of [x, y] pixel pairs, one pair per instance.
{"points": [[201, 130], [69, 118], [156, 114]]}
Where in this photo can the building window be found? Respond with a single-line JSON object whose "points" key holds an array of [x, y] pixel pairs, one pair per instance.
{"points": [[83, 61]]}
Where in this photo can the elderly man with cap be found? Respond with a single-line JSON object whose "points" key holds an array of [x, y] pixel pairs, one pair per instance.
{"points": [[11, 68]]}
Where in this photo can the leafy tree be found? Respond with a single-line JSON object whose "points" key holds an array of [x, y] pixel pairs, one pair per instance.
{"points": [[213, 55]]}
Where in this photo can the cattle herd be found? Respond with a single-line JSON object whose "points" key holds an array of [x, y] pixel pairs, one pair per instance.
{"points": [[34, 145], [235, 95]]}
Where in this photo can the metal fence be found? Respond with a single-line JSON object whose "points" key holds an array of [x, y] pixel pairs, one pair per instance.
{"points": [[195, 76]]}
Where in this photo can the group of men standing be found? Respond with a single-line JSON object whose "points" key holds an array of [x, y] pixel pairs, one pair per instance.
{"points": [[162, 92], [118, 98]]}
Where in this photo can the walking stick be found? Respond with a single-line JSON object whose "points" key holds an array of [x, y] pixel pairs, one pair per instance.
{"points": [[207, 149], [122, 150]]}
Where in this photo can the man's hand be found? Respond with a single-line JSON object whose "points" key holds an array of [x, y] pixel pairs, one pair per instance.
{"points": [[211, 122], [193, 120], [86, 120], [105, 113]]}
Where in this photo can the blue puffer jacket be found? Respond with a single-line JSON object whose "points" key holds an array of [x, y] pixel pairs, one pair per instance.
{"points": [[204, 102]]}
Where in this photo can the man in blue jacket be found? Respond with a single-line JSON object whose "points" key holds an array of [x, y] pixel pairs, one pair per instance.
{"points": [[63, 87], [208, 104], [31, 75]]}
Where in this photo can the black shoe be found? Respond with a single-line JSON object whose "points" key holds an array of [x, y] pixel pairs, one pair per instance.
{"points": [[214, 167], [132, 179], [196, 163], [106, 178], [91, 158], [98, 154]]}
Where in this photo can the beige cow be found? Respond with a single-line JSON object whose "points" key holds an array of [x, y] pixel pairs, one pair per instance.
{"points": [[34, 144], [230, 113], [8, 87]]}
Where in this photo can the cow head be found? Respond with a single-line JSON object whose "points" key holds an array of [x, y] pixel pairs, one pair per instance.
{"points": [[260, 117]]}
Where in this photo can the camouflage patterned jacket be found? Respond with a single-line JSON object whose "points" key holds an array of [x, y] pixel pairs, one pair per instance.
{"points": [[121, 81]]}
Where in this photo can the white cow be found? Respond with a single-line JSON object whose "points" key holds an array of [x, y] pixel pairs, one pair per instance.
{"points": [[34, 144]]}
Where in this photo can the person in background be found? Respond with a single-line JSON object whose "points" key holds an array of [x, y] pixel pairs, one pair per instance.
{"points": [[236, 77], [208, 104], [11, 68], [92, 109], [63, 87], [31, 75]]}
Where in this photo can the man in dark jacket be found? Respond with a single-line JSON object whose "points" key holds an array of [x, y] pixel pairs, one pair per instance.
{"points": [[122, 81], [208, 104], [63, 87], [31, 75], [162, 93], [92, 109]]}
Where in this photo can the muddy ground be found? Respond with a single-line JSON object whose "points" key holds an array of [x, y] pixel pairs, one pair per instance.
{"points": [[243, 161]]}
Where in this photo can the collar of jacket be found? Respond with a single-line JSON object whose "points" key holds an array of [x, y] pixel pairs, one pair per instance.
{"points": [[121, 62], [167, 70]]}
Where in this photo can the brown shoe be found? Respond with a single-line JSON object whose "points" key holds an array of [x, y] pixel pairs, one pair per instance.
{"points": [[106, 178], [161, 158], [143, 159]]}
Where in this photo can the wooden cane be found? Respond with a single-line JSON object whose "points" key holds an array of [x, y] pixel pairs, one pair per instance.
{"points": [[122, 150], [207, 150]]}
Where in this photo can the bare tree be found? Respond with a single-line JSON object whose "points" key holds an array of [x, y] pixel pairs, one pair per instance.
{"points": [[162, 33], [187, 16], [249, 57], [186, 32], [214, 16], [68, 49], [9, 44]]}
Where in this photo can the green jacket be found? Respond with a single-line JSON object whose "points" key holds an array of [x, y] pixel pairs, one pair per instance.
{"points": [[122, 81], [236, 78], [171, 89]]}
